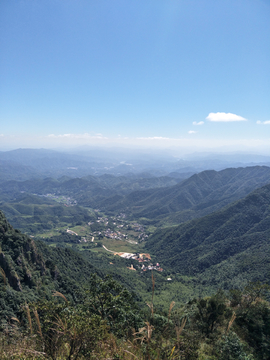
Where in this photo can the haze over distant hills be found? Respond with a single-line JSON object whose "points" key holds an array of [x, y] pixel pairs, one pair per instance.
{"points": [[163, 191], [23, 164], [208, 229], [196, 196]]}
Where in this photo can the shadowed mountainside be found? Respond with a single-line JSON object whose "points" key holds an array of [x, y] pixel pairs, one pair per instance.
{"points": [[194, 197], [31, 270], [231, 243]]}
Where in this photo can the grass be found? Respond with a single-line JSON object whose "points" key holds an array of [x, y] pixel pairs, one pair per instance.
{"points": [[120, 246], [81, 230], [48, 234]]}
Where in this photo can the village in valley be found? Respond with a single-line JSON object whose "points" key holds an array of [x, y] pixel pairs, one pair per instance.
{"points": [[141, 258], [97, 233], [120, 229], [117, 228]]}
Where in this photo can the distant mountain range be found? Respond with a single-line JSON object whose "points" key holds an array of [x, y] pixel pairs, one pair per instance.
{"points": [[212, 232], [23, 164], [162, 200], [213, 227], [28, 207], [196, 196]]}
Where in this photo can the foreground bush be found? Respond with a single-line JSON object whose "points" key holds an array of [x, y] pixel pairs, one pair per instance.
{"points": [[109, 326]]}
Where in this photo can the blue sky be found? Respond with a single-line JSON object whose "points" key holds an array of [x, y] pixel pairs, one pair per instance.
{"points": [[135, 72]]}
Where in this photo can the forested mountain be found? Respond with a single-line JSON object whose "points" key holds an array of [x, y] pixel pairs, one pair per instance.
{"points": [[70, 312], [225, 247], [31, 270], [103, 185], [53, 163], [32, 214], [161, 200], [196, 196], [88, 190], [10, 170], [93, 318], [94, 161]]}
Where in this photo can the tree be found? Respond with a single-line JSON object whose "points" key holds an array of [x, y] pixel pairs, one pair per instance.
{"points": [[211, 313], [115, 304], [66, 331], [231, 348]]}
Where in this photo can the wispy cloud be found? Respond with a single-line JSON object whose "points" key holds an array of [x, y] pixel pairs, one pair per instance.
{"points": [[1, 134], [153, 138], [192, 132], [267, 122], [198, 123], [224, 117], [78, 136]]}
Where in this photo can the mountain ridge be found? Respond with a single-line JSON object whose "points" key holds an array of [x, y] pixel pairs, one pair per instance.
{"points": [[207, 189], [206, 243]]}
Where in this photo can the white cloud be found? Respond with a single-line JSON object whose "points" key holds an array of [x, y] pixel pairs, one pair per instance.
{"points": [[198, 123], [78, 136], [267, 122], [1, 134], [192, 132], [224, 117]]}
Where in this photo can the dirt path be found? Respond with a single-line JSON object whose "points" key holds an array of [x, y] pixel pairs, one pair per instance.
{"points": [[108, 249]]}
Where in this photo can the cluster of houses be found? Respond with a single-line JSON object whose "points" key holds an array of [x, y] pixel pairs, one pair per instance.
{"points": [[137, 256], [117, 234], [151, 267], [114, 235], [138, 227], [142, 259], [142, 236], [102, 220], [145, 268]]}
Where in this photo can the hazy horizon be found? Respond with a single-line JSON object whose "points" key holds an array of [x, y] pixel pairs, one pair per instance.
{"points": [[157, 152]]}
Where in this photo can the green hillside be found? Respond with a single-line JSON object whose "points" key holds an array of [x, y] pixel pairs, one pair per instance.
{"points": [[15, 171], [33, 214], [161, 200], [91, 317], [31, 270], [89, 191], [225, 247], [194, 197]]}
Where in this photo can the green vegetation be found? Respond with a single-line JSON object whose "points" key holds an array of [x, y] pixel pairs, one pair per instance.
{"points": [[159, 200], [33, 214], [64, 296], [224, 249], [108, 324], [196, 196], [197, 263]]}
